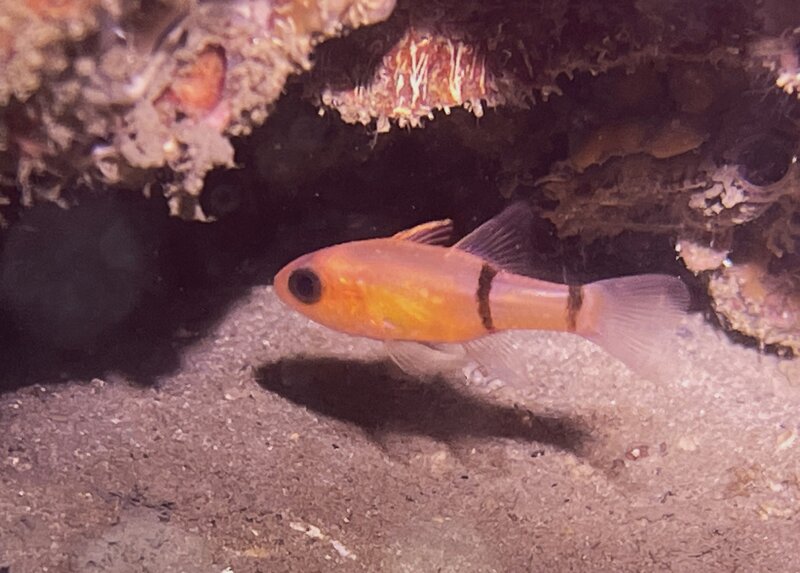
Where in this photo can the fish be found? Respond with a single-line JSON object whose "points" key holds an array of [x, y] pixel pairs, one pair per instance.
{"points": [[439, 307]]}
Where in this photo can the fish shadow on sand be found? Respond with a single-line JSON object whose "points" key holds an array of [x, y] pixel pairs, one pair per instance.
{"points": [[377, 398]]}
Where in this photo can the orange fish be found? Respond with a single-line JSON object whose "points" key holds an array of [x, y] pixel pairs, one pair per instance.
{"points": [[448, 306]]}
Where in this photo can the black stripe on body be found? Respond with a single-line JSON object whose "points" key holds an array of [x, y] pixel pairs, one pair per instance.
{"points": [[574, 303], [488, 272]]}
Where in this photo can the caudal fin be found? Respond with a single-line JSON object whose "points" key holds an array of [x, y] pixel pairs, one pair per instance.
{"points": [[634, 319]]}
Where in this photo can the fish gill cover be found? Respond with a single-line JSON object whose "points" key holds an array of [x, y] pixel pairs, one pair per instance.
{"points": [[675, 119]]}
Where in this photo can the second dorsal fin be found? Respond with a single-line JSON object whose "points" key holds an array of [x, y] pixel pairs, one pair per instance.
{"points": [[432, 233], [504, 240]]}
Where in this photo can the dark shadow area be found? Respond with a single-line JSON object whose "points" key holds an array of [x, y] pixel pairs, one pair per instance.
{"points": [[371, 396], [115, 287]]}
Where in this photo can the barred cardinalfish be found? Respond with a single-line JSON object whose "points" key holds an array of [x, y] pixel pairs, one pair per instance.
{"points": [[447, 306]]}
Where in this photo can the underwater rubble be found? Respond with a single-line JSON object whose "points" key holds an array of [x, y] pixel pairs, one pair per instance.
{"points": [[675, 119]]}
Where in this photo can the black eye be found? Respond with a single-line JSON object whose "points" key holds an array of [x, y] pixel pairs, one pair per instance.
{"points": [[305, 285]]}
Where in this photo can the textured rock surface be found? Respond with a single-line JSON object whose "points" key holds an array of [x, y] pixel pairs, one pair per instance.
{"points": [[103, 96]]}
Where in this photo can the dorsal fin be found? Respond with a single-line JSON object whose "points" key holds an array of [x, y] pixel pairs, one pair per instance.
{"points": [[432, 232], [504, 240]]}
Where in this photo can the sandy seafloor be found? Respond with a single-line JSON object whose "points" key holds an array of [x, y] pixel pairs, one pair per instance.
{"points": [[276, 445]]}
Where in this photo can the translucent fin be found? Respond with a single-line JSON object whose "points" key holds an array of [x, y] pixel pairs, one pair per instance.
{"points": [[504, 240], [419, 359], [496, 356], [635, 318], [499, 356], [432, 233]]}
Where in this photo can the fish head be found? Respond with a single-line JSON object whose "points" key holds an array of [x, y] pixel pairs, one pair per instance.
{"points": [[326, 287]]}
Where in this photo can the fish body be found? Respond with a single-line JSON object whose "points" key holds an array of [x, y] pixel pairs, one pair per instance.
{"points": [[390, 289], [411, 289]]}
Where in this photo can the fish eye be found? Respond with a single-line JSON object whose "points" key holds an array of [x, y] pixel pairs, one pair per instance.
{"points": [[305, 286]]}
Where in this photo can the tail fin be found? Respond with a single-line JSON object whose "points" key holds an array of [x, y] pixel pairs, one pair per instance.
{"points": [[634, 319]]}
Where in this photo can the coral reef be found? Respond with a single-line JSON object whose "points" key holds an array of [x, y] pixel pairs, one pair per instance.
{"points": [[720, 183], [426, 58], [103, 95], [675, 119]]}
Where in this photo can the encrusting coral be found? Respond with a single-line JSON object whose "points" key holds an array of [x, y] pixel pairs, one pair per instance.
{"points": [[105, 95]]}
